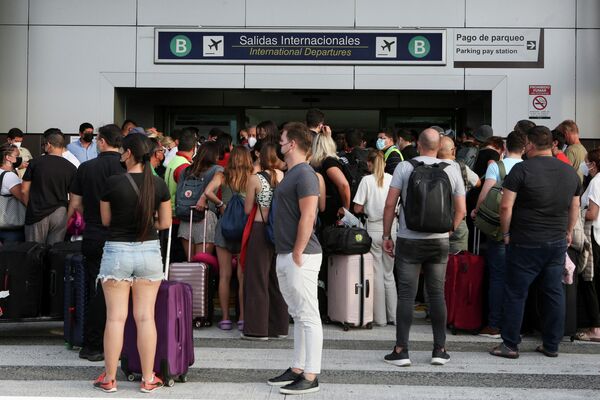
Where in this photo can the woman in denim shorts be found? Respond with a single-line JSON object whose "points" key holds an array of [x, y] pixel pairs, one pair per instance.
{"points": [[132, 260]]}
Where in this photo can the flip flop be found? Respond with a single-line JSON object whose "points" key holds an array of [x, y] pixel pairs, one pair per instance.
{"points": [[541, 349], [583, 336], [225, 325], [240, 325], [503, 351]]}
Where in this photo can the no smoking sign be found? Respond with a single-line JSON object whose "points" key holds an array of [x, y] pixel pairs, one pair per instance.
{"points": [[539, 101]]}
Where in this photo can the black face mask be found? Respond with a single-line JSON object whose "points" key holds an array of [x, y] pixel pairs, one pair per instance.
{"points": [[88, 137], [18, 163]]}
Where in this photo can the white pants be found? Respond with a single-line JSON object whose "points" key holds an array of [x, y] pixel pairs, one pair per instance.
{"points": [[298, 286], [385, 297]]}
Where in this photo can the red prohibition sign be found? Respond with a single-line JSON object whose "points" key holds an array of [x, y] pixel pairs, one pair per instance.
{"points": [[540, 102]]}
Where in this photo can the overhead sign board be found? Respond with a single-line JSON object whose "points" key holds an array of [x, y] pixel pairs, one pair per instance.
{"points": [[201, 46], [498, 48]]}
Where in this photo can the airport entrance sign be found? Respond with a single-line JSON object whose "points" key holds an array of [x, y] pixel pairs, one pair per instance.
{"points": [[333, 47]]}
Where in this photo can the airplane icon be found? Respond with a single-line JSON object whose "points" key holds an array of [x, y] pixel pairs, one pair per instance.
{"points": [[215, 44], [387, 45]]}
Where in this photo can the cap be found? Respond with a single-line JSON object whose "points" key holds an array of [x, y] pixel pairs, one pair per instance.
{"points": [[483, 133]]}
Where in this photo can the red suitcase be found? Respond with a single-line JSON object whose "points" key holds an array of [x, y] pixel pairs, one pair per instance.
{"points": [[463, 290]]}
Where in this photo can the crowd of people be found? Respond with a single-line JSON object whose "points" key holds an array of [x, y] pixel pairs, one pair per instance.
{"points": [[126, 180]]}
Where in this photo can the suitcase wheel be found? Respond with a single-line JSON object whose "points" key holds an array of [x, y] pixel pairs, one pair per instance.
{"points": [[198, 323], [369, 325], [171, 382], [345, 327], [183, 378], [131, 377]]}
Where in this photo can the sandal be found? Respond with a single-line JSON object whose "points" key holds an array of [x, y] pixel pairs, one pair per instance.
{"points": [[503, 350], [240, 325], [583, 336], [541, 349], [225, 325]]}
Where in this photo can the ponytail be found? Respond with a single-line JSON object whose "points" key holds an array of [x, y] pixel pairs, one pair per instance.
{"points": [[376, 158]]}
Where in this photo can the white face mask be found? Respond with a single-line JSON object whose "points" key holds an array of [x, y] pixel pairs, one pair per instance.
{"points": [[583, 168], [251, 141], [18, 144]]}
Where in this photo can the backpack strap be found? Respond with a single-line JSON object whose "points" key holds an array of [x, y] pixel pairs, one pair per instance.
{"points": [[502, 170], [2, 180], [135, 187]]}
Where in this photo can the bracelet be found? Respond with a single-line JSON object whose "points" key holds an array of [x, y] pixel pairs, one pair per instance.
{"points": [[219, 205], [507, 234], [388, 237]]}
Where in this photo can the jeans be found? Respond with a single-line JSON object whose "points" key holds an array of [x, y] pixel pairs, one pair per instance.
{"points": [[299, 289], [496, 263], [95, 316], [525, 262], [411, 256]]}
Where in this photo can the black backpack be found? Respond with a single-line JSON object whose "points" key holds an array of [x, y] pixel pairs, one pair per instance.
{"points": [[468, 154], [354, 168], [428, 206]]}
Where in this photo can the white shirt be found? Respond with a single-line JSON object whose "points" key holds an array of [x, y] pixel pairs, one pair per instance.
{"points": [[71, 157], [9, 181], [372, 197], [593, 193]]}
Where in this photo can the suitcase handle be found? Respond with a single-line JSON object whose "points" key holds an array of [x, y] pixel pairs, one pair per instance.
{"points": [[368, 289], [178, 330]]}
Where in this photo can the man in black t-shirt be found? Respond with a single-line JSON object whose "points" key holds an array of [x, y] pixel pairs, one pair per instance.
{"points": [[46, 186], [537, 222], [87, 188]]}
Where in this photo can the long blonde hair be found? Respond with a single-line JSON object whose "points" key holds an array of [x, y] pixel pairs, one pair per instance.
{"points": [[323, 146], [376, 158], [239, 168]]}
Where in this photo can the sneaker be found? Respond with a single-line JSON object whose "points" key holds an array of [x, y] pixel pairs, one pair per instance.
{"points": [[439, 356], [253, 338], [420, 311], [398, 359], [490, 332], [286, 378], [92, 355], [152, 385], [106, 387], [301, 386]]}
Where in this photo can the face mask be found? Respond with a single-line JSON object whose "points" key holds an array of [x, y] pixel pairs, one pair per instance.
{"points": [[251, 141], [18, 163], [281, 149], [583, 168], [380, 144], [18, 144], [88, 137]]}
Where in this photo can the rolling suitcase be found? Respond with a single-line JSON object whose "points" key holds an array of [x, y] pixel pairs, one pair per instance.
{"points": [[21, 276], [350, 290], [53, 298], [195, 274], [175, 342], [463, 290], [75, 295]]}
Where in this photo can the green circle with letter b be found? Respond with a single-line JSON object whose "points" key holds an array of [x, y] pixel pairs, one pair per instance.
{"points": [[181, 45], [419, 46]]}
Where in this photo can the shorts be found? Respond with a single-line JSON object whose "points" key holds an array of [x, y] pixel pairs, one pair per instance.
{"points": [[126, 261], [210, 219], [233, 246]]}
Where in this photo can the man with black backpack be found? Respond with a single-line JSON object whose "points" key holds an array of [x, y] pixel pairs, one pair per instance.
{"points": [[433, 205]]}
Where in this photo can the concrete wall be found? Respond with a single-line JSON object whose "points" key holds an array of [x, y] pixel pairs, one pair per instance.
{"points": [[60, 60]]}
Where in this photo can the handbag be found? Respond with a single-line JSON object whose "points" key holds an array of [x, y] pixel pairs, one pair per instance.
{"points": [[341, 239], [12, 211]]}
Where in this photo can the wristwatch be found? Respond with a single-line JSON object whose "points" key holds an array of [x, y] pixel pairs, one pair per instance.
{"points": [[388, 237]]}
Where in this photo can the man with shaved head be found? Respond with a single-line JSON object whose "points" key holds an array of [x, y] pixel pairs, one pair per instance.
{"points": [[416, 250]]}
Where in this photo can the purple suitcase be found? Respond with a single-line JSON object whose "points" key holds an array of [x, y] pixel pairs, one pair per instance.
{"points": [[175, 342]]}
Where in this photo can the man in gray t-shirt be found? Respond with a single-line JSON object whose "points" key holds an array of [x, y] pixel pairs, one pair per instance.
{"points": [[299, 260], [420, 250]]}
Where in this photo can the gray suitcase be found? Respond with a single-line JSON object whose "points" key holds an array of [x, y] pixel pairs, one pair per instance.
{"points": [[196, 275]]}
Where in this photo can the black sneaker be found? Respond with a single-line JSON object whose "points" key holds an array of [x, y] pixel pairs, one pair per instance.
{"points": [[439, 356], [286, 378], [301, 386], [91, 355], [398, 359]]}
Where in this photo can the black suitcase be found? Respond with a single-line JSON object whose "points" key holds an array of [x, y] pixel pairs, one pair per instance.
{"points": [[58, 255], [75, 300], [21, 274]]}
